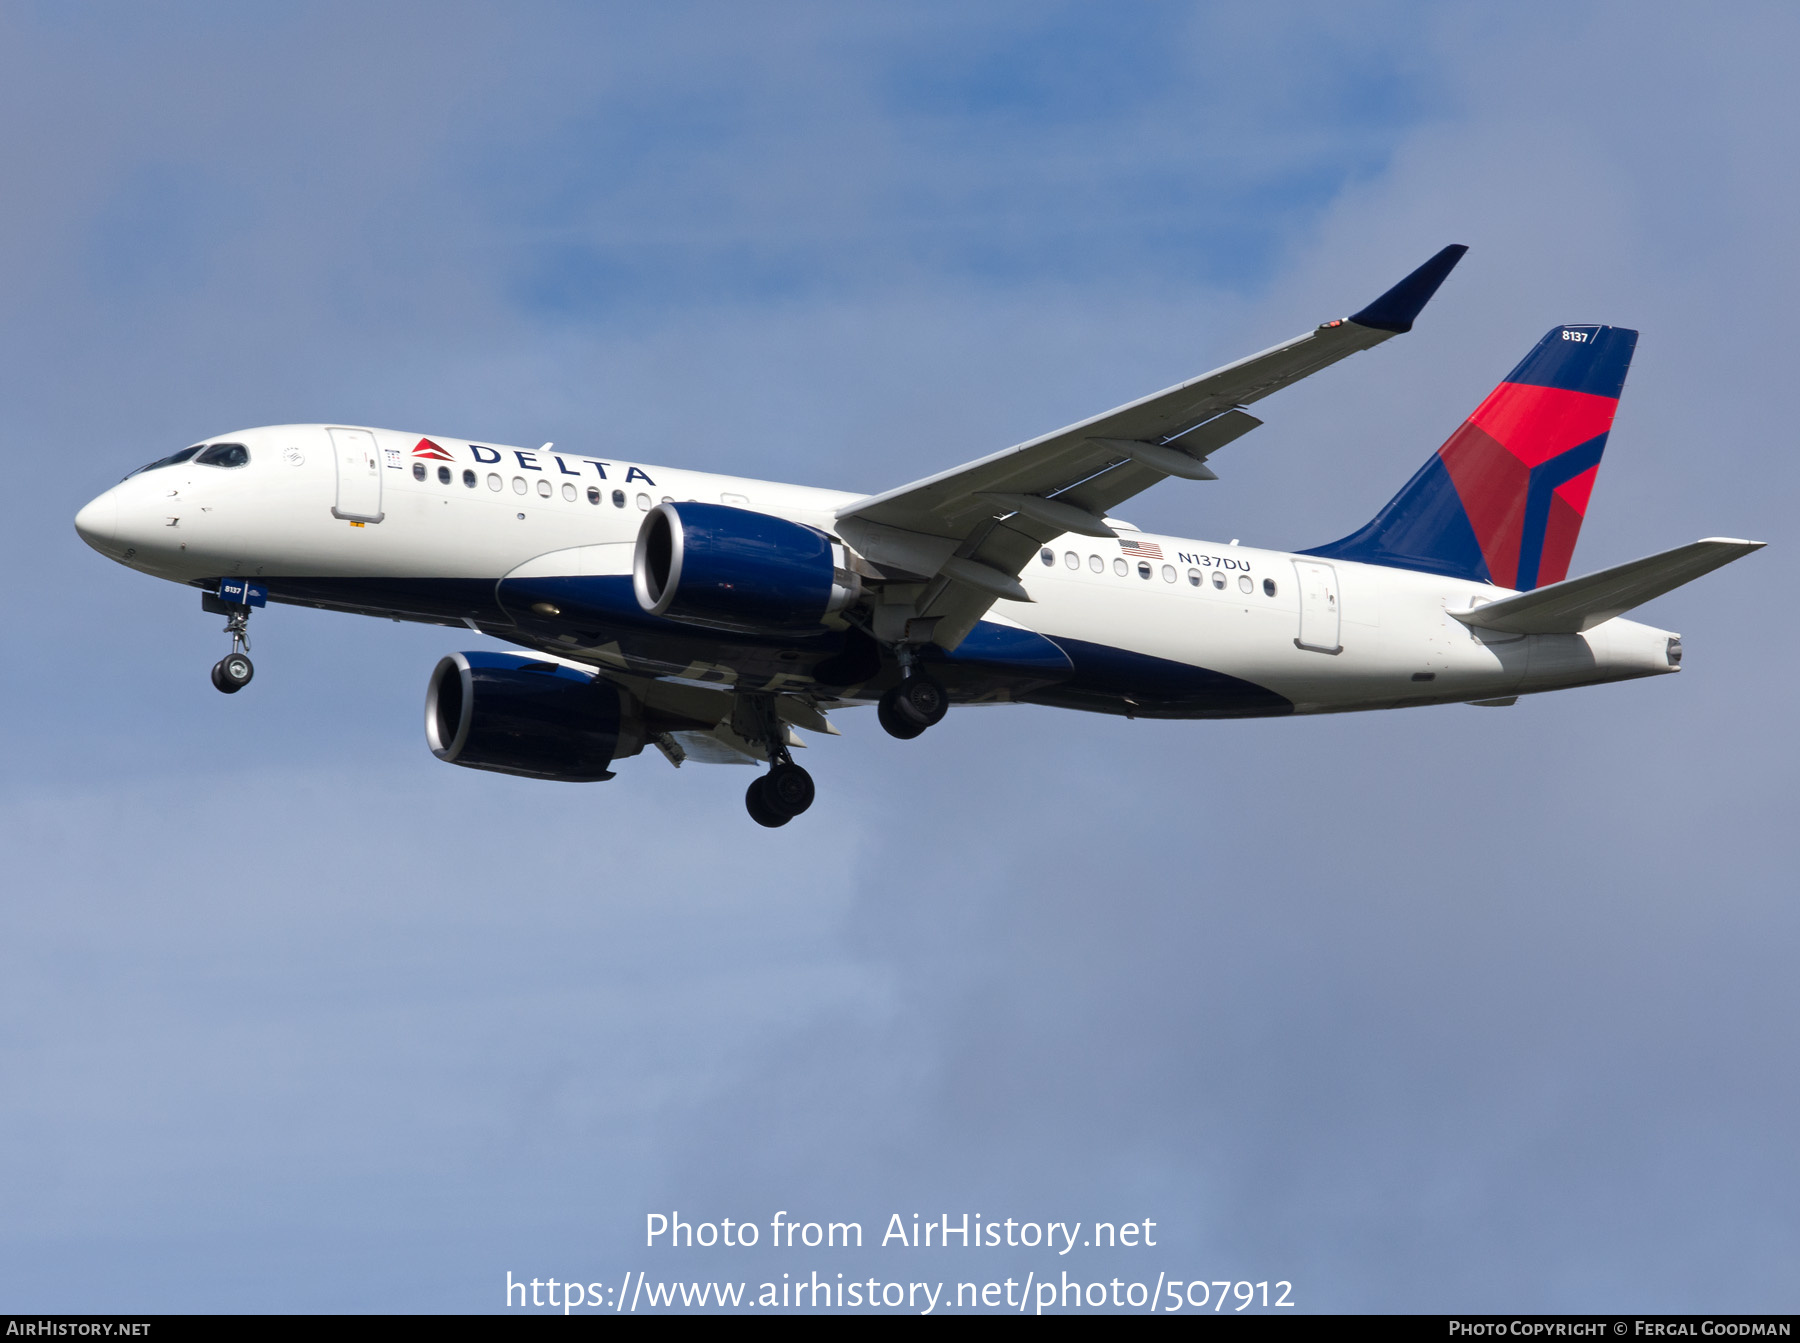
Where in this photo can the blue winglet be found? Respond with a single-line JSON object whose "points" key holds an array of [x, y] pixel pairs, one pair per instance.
{"points": [[1395, 310]]}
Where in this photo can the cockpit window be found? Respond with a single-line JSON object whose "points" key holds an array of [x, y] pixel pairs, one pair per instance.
{"points": [[223, 454], [170, 460]]}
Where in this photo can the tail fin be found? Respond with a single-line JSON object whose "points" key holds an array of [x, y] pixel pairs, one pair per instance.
{"points": [[1503, 500]]}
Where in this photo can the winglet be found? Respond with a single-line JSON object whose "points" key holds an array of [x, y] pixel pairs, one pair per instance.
{"points": [[1394, 311]]}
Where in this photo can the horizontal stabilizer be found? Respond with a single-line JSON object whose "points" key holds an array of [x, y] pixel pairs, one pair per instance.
{"points": [[1578, 604]]}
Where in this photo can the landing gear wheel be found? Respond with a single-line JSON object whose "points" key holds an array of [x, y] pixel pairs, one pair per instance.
{"points": [[232, 673], [922, 699], [895, 725], [789, 789], [916, 703], [760, 809]]}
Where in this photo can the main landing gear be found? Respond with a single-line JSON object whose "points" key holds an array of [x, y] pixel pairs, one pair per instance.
{"points": [[232, 672], [906, 710], [786, 790], [909, 708], [777, 797], [917, 703]]}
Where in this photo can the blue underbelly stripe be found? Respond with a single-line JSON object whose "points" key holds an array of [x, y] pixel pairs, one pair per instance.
{"points": [[1115, 680], [1069, 673]]}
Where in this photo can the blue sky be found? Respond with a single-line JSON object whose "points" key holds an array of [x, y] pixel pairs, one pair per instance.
{"points": [[1444, 1009]]}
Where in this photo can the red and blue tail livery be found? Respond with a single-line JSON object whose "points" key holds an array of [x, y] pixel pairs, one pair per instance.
{"points": [[1503, 500]]}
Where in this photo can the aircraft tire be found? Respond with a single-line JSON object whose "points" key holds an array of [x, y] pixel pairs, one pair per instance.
{"points": [[788, 789], [922, 699], [235, 670], [761, 811], [893, 722], [223, 680]]}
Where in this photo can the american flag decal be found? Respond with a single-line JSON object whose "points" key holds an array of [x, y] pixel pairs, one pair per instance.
{"points": [[1148, 550]]}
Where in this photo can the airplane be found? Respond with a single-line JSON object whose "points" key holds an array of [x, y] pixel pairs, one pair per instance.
{"points": [[712, 616]]}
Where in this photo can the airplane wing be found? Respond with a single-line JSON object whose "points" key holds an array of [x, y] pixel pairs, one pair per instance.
{"points": [[968, 533], [1578, 604]]}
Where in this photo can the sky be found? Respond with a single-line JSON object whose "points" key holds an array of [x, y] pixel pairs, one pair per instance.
{"points": [[1432, 1010]]}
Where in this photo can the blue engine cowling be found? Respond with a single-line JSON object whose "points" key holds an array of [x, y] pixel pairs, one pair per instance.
{"points": [[519, 715], [734, 569]]}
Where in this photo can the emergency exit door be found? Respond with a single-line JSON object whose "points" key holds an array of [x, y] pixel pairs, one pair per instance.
{"points": [[1318, 607], [358, 475]]}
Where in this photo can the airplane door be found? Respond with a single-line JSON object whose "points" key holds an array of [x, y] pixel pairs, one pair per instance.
{"points": [[358, 475], [1318, 607]]}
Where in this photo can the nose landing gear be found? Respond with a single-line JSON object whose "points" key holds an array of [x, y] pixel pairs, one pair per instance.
{"points": [[232, 672]]}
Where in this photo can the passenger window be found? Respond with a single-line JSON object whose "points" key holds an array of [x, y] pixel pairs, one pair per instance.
{"points": [[1244, 583], [568, 490], [493, 480], [544, 488], [618, 498], [1219, 579], [1047, 555], [1168, 573], [222, 454], [469, 479], [643, 503], [735, 500], [1121, 568], [593, 494], [1194, 577], [1072, 560], [1097, 564], [418, 470], [1269, 587], [668, 498], [1143, 568], [519, 485], [443, 475]]}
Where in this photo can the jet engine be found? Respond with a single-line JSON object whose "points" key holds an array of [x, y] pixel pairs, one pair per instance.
{"points": [[734, 569], [515, 714]]}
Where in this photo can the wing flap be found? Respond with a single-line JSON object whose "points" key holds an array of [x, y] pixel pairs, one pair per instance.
{"points": [[1578, 604]]}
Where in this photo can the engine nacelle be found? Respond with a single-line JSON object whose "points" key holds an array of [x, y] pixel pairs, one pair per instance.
{"points": [[734, 569], [515, 714]]}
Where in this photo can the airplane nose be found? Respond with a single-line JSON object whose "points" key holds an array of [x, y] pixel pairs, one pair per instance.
{"points": [[98, 522]]}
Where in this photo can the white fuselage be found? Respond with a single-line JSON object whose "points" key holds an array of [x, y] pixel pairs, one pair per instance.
{"points": [[1325, 636]]}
